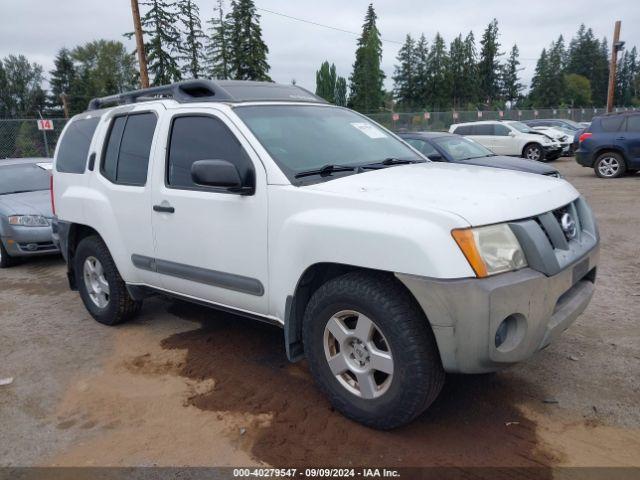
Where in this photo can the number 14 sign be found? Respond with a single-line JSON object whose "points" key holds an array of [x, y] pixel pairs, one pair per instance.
{"points": [[45, 124]]}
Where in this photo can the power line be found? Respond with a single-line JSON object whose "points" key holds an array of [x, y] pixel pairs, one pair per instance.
{"points": [[320, 24]]}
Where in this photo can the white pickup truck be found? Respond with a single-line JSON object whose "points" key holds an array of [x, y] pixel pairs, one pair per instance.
{"points": [[385, 270]]}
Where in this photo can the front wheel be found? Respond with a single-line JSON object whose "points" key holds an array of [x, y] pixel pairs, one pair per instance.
{"points": [[610, 165], [101, 288], [5, 259], [533, 151], [371, 350]]}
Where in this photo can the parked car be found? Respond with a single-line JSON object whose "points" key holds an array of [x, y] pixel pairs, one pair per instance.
{"points": [[564, 139], [449, 147], [554, 122], [385, 270], [510, 138], [25, 209], [611, 145]]}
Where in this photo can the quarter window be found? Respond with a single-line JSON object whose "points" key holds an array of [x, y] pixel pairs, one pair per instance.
{"points": [[463, 130], [196, 138], [74, 146], [126, 158]]}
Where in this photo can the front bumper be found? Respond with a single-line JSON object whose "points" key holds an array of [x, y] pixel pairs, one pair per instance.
{"points": [[552, 150], [29, 241], [465, 314]]}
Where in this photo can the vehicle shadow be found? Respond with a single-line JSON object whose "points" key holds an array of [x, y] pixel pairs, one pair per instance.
{"points": [[474, 422]]}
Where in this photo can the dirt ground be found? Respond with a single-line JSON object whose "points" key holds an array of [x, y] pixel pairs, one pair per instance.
{"points": [[182, 385]]}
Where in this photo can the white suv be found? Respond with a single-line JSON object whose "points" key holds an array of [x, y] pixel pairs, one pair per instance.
{"points": [[385, 270], [510, 138]]}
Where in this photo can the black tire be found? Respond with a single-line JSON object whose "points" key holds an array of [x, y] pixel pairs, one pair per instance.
{"points": [[610, 165], [6, 260], [120, 307], [534, 151], [418, 376]]}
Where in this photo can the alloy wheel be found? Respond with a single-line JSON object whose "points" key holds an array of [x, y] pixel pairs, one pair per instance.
{"points": [[608, 166], [95, 282], [358, 354], [533, 153]]}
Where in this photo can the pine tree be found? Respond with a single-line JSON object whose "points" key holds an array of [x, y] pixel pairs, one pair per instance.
{"points": [[218, 50], [249, 57], [510, 83], [4, 108], [367, 93], [470, 71], [457, 71], [439, 79], [489, 66], [62, 80], [405, 77], [555, 86], [539, 81], [341, 92], [192, 48], [163, 46], [422, 71], [600, 78], [326, 82]]}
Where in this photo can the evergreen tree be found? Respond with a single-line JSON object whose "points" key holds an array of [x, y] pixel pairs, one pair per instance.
{"points": [[367, 93], [439, 79], [588, 57], [326, 82], [600, 78], [539, 81], [341, 92], [470, 71], [4, 108], [489, 66], [192, 48], [63, 78], [405, 77], [555, 77], [457, 72], [510, 83], [218, 50], [164, 43], [249, 57], [422, 69]]}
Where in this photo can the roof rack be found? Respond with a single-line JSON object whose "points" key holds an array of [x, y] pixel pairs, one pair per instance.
{"points": [[211, 91]]}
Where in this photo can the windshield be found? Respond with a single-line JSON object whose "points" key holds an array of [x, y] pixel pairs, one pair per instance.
{"points": [[461, 148], [304, 137], [521, 127], [27, 177]]}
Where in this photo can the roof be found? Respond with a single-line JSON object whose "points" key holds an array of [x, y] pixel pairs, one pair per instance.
{"points": [[426, 134], [22, 161], [231, 91]]}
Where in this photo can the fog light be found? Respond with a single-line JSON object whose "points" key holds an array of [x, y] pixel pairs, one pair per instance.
{"points": [[501, 333]]}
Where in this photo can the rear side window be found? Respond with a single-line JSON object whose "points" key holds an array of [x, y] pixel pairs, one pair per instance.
{"points": [[463, 130], [483, 129], [74, 146], [633, 123], [611, 124], [126, 157], [196, 138]]}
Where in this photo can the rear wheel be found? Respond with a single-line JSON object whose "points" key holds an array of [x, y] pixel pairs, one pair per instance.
{"points": [[5, 259], [101, 288], [610, 165], [534, 151], [371, 350]]}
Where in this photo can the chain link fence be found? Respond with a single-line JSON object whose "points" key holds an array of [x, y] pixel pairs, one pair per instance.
{"points": [[20, 138], [435, 121]]}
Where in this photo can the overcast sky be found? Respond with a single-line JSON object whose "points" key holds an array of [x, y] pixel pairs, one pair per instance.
{"points": [[38, 28]]}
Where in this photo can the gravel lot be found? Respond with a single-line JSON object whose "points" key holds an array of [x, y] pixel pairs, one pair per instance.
{"points": [[183, 385]]}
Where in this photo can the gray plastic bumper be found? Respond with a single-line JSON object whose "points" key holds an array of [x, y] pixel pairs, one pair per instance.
{"points": [[466, 314]]}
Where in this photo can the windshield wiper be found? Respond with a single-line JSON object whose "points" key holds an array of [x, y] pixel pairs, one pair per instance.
{"points": [[387, 162], [17, 191], [325, 170]]}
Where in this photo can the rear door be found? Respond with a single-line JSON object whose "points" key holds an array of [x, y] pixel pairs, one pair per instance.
{"points": [[483, 134], [631, 141], [503, 143], [120, 205]]}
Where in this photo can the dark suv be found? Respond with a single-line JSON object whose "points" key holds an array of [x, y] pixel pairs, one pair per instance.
{"points": [[611, 145]]}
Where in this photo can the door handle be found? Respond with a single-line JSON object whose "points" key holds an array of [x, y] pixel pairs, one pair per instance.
{"points": [[621, 138], [164, 208]]}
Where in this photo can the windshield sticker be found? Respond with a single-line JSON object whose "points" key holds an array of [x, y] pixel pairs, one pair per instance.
{"points": [[369, 130]]}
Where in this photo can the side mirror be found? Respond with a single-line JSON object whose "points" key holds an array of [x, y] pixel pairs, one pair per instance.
{"points": [[435, 157], [512, 134], [219, 173]]}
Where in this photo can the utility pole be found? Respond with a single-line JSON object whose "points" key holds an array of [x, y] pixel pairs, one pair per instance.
{"points": [[616, 47], [142, 56]]}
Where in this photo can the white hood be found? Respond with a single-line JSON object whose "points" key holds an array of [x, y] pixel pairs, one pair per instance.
{"points": [[479, 195]]}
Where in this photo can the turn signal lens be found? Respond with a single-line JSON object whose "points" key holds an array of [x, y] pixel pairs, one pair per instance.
{"points": [[466, 242]]}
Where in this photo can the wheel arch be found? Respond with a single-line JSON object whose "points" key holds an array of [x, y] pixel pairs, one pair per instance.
{"points": [[76, 233], [311, 279], [609, 148], [528, 144]]}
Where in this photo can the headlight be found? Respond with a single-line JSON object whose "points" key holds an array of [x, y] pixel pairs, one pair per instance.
{"points": [[29, 220], [490, 250]]}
